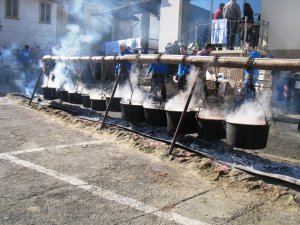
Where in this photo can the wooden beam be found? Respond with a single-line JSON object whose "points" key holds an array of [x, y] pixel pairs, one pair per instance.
{"points": [[222, 61]]}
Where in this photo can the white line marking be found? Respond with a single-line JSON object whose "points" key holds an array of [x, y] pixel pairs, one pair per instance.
{"points": [[52, 148], [106, 194]]}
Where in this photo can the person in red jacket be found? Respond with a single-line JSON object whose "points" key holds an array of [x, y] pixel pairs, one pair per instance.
{"points": [[218, 16], [219, 13]]}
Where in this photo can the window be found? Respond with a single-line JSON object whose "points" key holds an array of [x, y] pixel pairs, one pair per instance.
{"points": [[45, 12], [12, 9]]}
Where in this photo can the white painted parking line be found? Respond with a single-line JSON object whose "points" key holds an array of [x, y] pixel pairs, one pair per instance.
{"points": [[50, 148], [105, 194]]}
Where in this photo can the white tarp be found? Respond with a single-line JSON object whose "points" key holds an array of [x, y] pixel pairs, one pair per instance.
{"points": [[112, 47], [219, 31]]}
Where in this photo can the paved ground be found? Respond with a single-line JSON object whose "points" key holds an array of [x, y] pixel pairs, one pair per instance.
{"points": [[53, 174]]}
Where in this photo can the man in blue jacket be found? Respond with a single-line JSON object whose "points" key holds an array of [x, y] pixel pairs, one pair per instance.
{"points": [[159, 73], [251, 75], [183, 70], [118, 70], [25, 59]]}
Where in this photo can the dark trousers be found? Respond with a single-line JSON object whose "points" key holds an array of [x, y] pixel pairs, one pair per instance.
{"points": [[158, 84], [124, 76], [181, 82], [232, 30]]}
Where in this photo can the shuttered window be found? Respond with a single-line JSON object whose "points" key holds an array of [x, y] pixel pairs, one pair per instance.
{"points": [[12, 9], [45, 12]]}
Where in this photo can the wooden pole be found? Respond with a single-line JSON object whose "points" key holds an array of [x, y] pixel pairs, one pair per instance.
{"points": [[123, 67], [37, 82], [198, 73], [223, 61]]}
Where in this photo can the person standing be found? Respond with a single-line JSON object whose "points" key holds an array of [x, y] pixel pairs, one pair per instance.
{"points": [[251, 33], [159, 74], [6, 64], [248, 12], [183, 70], [219, 12], [118, 69], [26, 59], [232, 13], [208, 48], [219, 16], [251, 75]]}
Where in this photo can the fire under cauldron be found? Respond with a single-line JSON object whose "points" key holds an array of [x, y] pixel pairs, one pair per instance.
{"points": [[155, 115], [64, 96], [98, 104], [115, 105], [86, 101], [49, 93], [247, 136], [132, 112], [189, 124], [75, 98]]}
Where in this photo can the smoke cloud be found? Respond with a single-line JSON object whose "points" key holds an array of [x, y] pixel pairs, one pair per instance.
{"points": [[177, 103]]}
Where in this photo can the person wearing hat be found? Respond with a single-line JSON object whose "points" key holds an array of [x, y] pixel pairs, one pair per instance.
{"points": [[118, 69], [183, 70]]}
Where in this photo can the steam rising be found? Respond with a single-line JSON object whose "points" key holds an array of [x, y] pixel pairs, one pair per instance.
{"points": [[177, 103], [131, 92], [251, 112]]}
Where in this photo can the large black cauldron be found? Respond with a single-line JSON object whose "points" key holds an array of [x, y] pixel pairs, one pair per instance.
{"points": [[98, 104], [211, 128], [247, 136], [86, 101], [189, 124], [64, 96], [155, 116], [49, 93], [75, 98], [115, 105], [132, 112]]}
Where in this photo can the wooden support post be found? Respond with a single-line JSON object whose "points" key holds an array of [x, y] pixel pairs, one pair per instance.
{"points": [[200, 71], [37, 82], [123, 67]]}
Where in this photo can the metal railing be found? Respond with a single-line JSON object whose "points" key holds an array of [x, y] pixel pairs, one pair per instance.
{"points": [[200, 34]]}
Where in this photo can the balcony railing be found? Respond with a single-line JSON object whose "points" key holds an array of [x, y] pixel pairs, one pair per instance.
{"points": [[201, 33]]}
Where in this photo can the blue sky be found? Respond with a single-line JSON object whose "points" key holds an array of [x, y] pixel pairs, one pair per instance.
{"points": [[206, 4]]}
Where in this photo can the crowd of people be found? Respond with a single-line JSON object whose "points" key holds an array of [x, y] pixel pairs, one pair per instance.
{"points": [[160, 71], [235, 23], [25, 57], [23, 60]]}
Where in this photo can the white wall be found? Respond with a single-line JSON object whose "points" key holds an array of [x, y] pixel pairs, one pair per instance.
{"points": [[154, 27], [170, 22], [27, 29], [284, 21]]}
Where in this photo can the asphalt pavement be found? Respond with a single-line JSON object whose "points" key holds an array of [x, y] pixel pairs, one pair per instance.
{"points": [[52, 173]]}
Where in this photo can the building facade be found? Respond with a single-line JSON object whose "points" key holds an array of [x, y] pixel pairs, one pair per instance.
{"points": [[32, 22], [157, 22]]}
